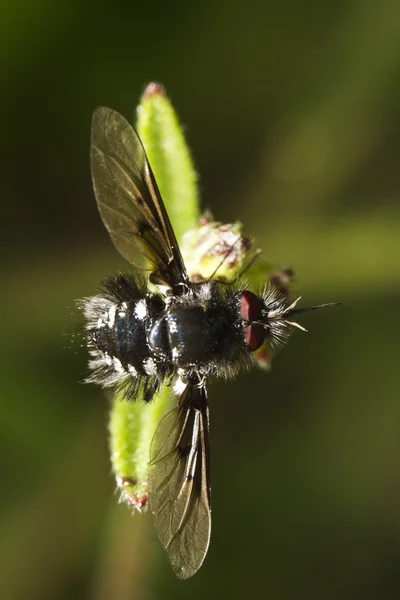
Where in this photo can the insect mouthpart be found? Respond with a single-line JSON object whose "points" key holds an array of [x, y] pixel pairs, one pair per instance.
{"points": [[276, 313]]}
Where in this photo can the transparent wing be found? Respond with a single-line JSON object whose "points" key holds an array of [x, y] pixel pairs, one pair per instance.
{"points": [[179, 482], [128, 198]]}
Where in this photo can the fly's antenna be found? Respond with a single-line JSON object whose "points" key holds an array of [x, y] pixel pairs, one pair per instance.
{"points": [[291, 310]]}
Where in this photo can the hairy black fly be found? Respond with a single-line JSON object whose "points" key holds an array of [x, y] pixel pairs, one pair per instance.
{"points": [[185, 333]]}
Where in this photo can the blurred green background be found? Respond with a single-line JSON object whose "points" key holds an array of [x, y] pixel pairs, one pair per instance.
{"points": [[293, 115]]}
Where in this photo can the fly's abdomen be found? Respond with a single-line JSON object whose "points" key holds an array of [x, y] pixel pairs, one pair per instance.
{"points": [[117, 338]]}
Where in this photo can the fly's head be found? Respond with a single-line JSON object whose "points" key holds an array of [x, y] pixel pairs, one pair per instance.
{"points": [[269, 317]]}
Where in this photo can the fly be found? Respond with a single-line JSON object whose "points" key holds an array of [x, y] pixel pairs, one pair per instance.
{"points": [[185, 333]]}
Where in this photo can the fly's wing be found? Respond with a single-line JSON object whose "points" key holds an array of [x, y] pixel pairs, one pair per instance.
{"points": [[179, 482], [129, 201]]}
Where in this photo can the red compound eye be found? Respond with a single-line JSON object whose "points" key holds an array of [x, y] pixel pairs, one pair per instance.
{"points": [[250, 306], [254, 336], [250, 310]]}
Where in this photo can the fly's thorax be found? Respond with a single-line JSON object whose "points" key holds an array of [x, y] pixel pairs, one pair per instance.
{"points": [[205, 330]]}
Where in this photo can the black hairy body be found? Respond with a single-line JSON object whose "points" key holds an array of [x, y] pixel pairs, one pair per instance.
{"points": [[138, 339]]}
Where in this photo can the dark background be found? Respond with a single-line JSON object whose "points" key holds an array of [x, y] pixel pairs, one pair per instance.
{"points": [[292, 110]]}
